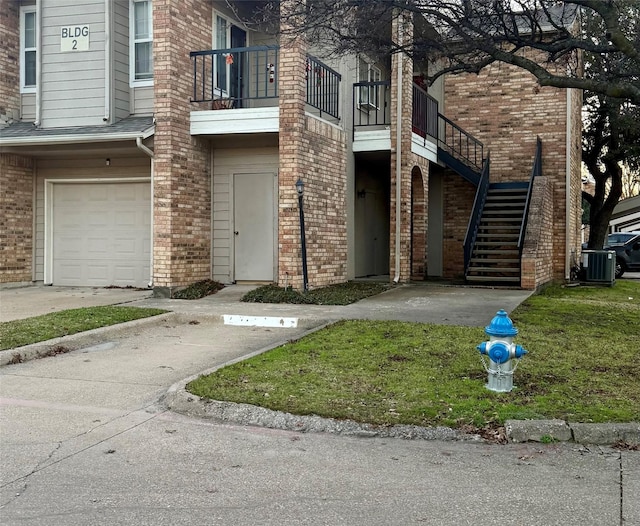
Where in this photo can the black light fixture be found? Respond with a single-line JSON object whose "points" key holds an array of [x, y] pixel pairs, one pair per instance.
{"points": [[303, 243]]}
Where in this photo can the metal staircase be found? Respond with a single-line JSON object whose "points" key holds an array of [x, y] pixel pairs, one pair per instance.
{"points": [[495, 257], [493, 243]]}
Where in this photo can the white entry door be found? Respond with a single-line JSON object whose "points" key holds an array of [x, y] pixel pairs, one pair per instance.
{"points": [[254, 224]]}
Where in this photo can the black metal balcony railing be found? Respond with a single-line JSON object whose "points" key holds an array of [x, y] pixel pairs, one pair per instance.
{"points": [[323, 87], [235, 76], [424, 113], [371, 103], [242, 77]]}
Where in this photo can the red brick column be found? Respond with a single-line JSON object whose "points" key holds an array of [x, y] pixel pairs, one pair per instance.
{"points": [[291, 84], [537, 252], [315, 151], [182, 173], [402, 28], [16, 218]]}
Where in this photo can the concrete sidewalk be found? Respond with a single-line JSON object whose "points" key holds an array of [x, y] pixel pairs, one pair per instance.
{"points": [[425, 302]]}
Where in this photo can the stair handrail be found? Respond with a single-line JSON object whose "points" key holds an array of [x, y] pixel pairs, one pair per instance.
{"points": [[476, 213], [460, 143], [536, 171]]}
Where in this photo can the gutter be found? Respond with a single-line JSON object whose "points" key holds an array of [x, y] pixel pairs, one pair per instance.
{"points": [[145, 149], [37, 121], [77, 138], [396, 279], [107, 61], [567, 190]]}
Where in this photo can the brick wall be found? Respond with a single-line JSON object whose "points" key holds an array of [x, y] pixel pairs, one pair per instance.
{"points": [[182, 173], [9, 61], [506, 109], [419, 219], [315, 151], [16, 218], [458, 197], [537, 252]]}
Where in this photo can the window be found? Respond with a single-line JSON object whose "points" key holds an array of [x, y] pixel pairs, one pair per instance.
{"points": [[222, 40], [142, 37], [226, 66], [28, 49], [369, 95]]}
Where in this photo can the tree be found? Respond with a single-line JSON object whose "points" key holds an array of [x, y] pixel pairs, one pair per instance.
{"points": [[610, 143], [468, 35], [611, 135]]}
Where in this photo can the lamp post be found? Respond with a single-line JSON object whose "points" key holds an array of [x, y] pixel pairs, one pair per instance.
{"points": [[303, 243]]}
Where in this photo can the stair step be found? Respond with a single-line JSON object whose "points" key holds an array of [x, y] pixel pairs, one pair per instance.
{"points": [[500, 227], [500, 252], [498, 235], [521, 190], [497, 224], [501, 261], [492, 214], [496, 244], [509, 279], [506, 197], [501, 270], [499, 219], [501, 205]]}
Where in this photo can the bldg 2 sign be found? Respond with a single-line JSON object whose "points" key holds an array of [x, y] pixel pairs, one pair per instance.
{"points": [[74, 38]]}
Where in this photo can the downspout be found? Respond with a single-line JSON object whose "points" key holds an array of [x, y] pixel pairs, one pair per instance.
{"points": [[107, 61], [567, 192], [142, 147], [37, 121], [396, 279]]}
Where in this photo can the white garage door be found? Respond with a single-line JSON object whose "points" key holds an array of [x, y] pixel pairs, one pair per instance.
{"points": [[101, 234]]}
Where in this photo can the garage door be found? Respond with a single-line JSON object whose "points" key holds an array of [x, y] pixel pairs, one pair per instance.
{"points": [[101, 234]]}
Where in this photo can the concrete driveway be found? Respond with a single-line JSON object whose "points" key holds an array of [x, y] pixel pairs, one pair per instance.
{"points": [[25, 302]]}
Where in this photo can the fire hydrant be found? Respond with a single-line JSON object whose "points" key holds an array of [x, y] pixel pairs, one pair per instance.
{"points": [[502, 353]]}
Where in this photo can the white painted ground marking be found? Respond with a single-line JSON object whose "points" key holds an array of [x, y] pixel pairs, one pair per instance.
{"points": [[260, 321]]}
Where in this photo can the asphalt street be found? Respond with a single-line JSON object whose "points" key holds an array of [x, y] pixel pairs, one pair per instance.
{"points": [[85, 439]]}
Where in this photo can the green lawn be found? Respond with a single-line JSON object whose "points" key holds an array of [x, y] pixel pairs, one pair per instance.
{"points": [[583, 366], [40, 328]]}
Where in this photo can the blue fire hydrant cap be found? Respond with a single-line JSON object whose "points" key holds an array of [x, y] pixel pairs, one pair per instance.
{"points": [[501, 325]]}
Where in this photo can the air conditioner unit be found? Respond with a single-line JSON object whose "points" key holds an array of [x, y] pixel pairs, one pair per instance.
{"points": [[599, 266]]}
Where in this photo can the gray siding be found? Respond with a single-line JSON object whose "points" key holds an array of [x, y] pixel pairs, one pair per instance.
{"points": [[143, 101], [81, 168], [73, 92], [226, 163], [28, 110], [120, 59]]}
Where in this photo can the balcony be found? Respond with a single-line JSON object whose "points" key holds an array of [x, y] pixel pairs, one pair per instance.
{"points": [[244, 83], [371, 104], [372, 119]]}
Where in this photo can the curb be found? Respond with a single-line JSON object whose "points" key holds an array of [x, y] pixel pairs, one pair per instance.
{"points": [[179, 400], [516, 431], [547, 431]]}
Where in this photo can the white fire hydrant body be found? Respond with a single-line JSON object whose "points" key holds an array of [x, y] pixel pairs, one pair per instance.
{"points": [[502, 353]]}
